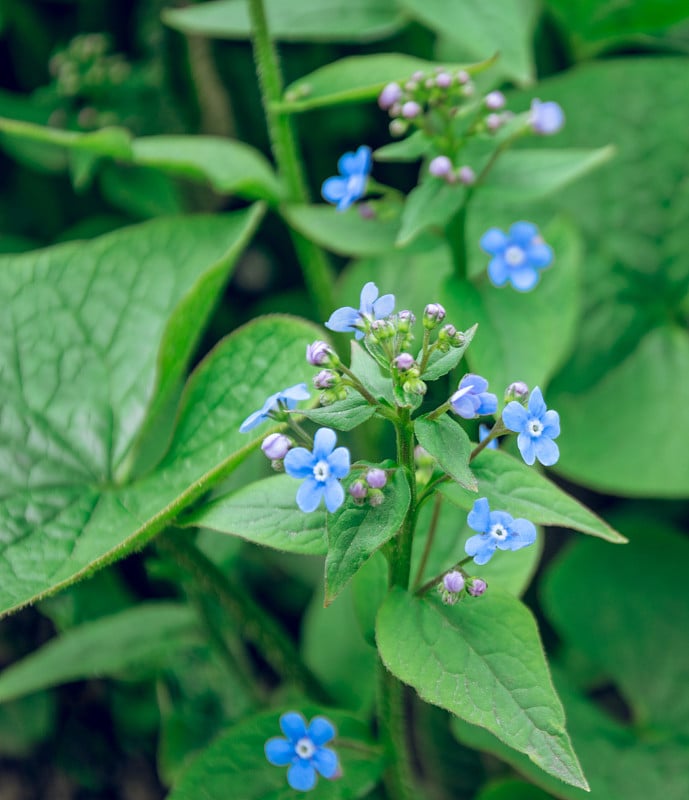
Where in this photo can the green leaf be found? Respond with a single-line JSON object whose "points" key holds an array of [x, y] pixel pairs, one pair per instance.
{"points": [[521, 175], [411, 148], [430, 205], [512, 486], [265, 513], [229, 166], [513, 790], [298, 20], [481, 29], [369, 588], [356, 532], [110, 142], [484, 662], [143, 637], [343, 414], [346, 233], [440, 364], [523, 336], [235, 764], [358, 79], [368, 372], [449, 444]]}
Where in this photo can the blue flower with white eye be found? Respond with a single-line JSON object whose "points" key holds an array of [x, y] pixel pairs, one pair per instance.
{"points": [[350, 185], [288, 398], [497, 530], [471, 398], [303, 750], [321, 470], [518, 256], [536, 426], [371, 307], [483, 433]]}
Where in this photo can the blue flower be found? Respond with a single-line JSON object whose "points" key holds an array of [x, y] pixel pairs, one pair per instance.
{"points": [[350, 185], [287, 397], [517, 256], [536, 426], [321, 470], [496, 530], [471, 398], [483, 431], [303, 750], [371, 307], [546, 118]]}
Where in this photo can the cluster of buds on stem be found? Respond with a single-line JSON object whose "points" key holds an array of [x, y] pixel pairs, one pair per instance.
{"points": [[370, 487], [456, 583]]}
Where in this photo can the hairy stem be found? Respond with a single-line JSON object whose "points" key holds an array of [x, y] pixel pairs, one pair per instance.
{"points": [[430, 537]]}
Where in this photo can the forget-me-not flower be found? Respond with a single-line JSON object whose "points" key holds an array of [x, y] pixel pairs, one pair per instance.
{"points": [[371, 307], [350, 185], [321, 471], [546, 118], [303, 750], [497, 530], [536, 426], [518, 256], [287, 397], [471, 398]]}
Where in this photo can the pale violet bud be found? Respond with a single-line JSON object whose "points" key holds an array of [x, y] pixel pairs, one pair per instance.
{"points": [[358, 490], [495, 101], [395, 109], [546, 118], [319, 353], [276, 446], [441, 167], [466, 175], [376, 478], [417, 76], [389, 96], [411, 86], [404, 361], [443, 80], [463, 76], [398, 127], [518, 391], [375, 497], [422, 457], [325, 379], [381, 330], [476, 587], [433, 315], [414, 386], [446, 337], [493, 122], [453, 581], [405, 319], [411, 109]]}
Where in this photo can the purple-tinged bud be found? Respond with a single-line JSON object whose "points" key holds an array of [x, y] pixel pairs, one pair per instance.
{"points": [[358, 490], [375, 498], [418, 76], [389, 96], [320, 353], [495, 101], [443, 80], [395, 109], [411, 109], [446, 337], [453, 581], [415, 386], [366, 211], [466, 175], [325, 379], [433, 315], [404, 361], [546, 118], [411, 86], [518, 391], [476, 587], [463, 77], [276, 446], [405, 319], [376, 478], [441, 167], [422, 457], [493, 122], [398, 127], [381, 330]]}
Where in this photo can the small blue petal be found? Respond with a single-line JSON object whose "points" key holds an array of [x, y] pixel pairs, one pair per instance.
{"points": [[515, 416], [279, 751], [483, 432], [299, 463], [294, 394], [320, 730], [476, 382], [324, 443], [252, 421], [309, 495], [537, 406], [334, 189], [498, 271], [293, 725], [539, 255], [478, 517], [343, 319], [384, 306], [547, 451], [338, 461], [481, 548], [301, 776], [493, 241], [526, 447], [464, 404], [524, 533], [325, 761], [357, 163], [522, 233], [488, 404], [368, 297], [551, 424], [524, 279], [334, 494], [500, 518]]}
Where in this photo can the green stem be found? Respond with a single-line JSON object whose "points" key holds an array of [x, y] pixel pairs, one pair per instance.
{"points": [[455, 233], [251, 622], [438, 412], [497, 430], [401, 563], [429, 538], [318, 272], [399, 780]]}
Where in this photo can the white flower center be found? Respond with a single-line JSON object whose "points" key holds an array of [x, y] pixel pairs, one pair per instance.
{"points": [[535, 428], [321, 472], [305, 748], [498, 532], [514, 256]]}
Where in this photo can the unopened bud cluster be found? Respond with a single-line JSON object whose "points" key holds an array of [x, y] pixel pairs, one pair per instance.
{"points": [[369, 488], [456, 583]]}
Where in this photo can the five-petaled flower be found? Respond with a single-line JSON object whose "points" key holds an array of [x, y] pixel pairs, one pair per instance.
{"points": [[321, 471], [496, 530], [303, 750], [518, 256], [350, 185], [471, 398], [371, 307], [287, 398], [536, 426]]}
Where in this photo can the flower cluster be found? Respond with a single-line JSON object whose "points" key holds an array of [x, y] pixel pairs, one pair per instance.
{"points": [[321, 470], [349, 186], [303, 749], [518, 256], [369, 487], [456, 582], [497, 530]]}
